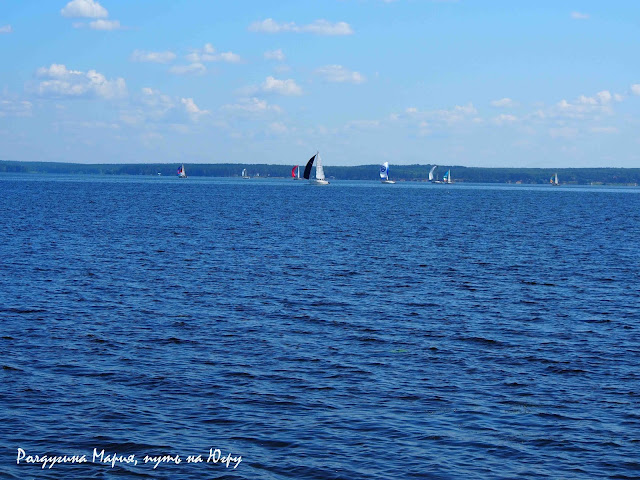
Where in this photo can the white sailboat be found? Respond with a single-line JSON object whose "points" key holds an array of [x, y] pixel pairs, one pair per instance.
{"points": [[554, 180], [244, 173], [319, 180], [182, 172], [384, 173], [447, 177], [433, 169], [295, 172]]}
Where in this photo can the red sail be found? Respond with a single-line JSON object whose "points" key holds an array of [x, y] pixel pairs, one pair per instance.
{"points": [[293, 172]]}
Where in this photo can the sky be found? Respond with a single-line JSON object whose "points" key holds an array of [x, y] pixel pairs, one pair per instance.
{"points": [[468, 82]]}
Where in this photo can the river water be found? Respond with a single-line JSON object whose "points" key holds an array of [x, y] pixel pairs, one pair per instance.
{"points": [[354, 331]]}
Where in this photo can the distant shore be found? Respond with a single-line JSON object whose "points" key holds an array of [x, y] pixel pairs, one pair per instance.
{"points": [[567, 176]]}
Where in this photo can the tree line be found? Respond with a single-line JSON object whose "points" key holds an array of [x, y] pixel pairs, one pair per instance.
{"points": [[576, 176]]}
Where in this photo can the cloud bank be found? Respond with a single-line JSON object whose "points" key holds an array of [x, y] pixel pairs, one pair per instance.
{"points": [[152, 57], [339, 74], [58, 81], [84, 9], [318, 27]]}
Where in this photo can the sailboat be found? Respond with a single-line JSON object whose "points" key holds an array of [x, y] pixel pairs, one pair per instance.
{"points": [[384, 173], [181, 172], [433, 169], [447, 177], [554, 180], [295, 172], [244, 173], [319, 180]]}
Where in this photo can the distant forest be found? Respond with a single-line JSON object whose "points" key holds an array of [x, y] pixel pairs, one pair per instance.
{"points": [[575, 176]]}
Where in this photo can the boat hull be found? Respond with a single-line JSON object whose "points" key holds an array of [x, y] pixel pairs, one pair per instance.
{"points": [[318, 182], [388, 181]]}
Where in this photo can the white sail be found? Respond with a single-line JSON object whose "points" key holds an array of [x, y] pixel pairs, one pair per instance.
{"points": [[319, 180], [181, 172], [433, 169], [319, 169], [384, 171]]}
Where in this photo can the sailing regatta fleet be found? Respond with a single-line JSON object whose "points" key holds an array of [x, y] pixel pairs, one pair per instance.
{"points": [[320, 178]]}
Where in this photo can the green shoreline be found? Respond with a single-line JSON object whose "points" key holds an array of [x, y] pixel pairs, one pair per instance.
{"points": [[570, 176]]}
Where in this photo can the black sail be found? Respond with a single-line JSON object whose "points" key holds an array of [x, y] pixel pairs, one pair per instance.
{"points": [[307, 169]]}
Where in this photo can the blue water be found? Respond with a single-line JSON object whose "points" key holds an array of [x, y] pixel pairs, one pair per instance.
{"points": [[355, 331]]}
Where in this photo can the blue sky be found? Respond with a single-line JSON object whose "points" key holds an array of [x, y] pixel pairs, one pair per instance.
{"points": [[468, 82]]}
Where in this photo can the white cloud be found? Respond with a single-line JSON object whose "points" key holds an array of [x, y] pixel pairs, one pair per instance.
{"points": [[84, 9], [152, 57], [153, 107], [278, 128], [58, 81], [252, 105], [157, 104], [467, 109], [208, 54], [604, 97], [362, 125], [635, 88], [322, 27], [90, 9], [106, 25], [194, 57], [6, 29], [582, 100], [339, 74], [430, 120], [505, 119], [194, 68], [585, 107], [579, 16], [504, 103], [604, 130], [13, 108], [318, 27], [457, 114], [271, 26], [281, 87], [192, 109], [274, 55], [228, 57]]}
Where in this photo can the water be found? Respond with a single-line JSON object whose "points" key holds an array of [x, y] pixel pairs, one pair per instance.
{"points": [[355, 331]]}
